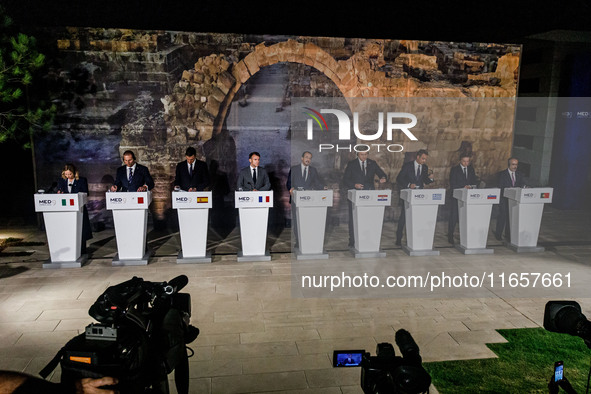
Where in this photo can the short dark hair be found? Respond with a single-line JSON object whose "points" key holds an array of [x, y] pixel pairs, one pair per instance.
{"points": [[190, 152], [304, 154], [129, 152], [254, 154], [512, 158], [422, 152], [468, 155]]}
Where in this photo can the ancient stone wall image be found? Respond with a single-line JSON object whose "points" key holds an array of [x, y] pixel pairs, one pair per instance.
{"points": [[159, 92]]}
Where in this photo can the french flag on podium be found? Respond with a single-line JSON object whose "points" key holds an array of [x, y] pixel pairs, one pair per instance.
{"points": [[261, 198]]}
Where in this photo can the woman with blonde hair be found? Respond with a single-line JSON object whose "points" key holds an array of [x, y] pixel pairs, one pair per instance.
{"points": [[72, 182]]}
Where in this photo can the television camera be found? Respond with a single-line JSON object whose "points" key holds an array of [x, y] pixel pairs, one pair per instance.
{"points": [[141, 337]]}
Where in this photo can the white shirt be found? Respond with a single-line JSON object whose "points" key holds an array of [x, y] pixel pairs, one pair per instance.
{"points": [[132, 170], [417, 165], [512, 176], [303, 167], [361, 164]]}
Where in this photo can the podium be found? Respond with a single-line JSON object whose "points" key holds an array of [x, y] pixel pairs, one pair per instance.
{"points": [[253, 209], [475, 206], [420, 208], [130, 215], [193, 213], [62, 214], [368, 218], [310, 211], [525, 216]]}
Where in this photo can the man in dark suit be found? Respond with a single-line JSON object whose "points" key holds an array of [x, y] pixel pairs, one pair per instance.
{"points": [[413, 175], [132, 176], [507, 178], [191, 175], [253, 177], [360, 174], [460, 176], [304, 175]]}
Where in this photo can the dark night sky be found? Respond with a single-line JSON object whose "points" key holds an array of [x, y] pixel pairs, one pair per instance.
{"points": [[476, 21]]}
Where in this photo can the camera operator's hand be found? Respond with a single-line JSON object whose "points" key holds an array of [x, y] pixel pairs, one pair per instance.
{"points": [[566, 386], [553, 386], [92, 386]]}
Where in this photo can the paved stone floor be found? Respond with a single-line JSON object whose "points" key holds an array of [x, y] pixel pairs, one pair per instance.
{"points": [[256, 336]]}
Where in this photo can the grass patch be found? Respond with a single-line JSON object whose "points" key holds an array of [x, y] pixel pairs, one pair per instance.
{"points": [[525, 365]]}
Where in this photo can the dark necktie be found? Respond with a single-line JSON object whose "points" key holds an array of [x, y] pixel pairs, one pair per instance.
{"points": [[465, 173], [254, 175], [419, 172], [363, 168], [305, 173], [130, 174], [190, 170]]}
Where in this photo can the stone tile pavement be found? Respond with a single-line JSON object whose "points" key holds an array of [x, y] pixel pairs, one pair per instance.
{"points": [[257, 336]]}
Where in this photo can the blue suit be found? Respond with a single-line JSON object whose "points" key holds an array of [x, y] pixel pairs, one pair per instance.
{"points": [[141, 177], [198, 180]]}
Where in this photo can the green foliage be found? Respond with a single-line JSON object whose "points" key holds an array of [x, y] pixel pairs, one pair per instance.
{"points": [[525, 365], [20, 114]]}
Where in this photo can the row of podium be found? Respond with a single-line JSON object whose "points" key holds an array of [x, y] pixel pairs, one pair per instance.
{"points": [[63, 222]]}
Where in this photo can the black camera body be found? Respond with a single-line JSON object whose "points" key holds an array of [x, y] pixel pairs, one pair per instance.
{"points": [[141, 337], [125, 357], [387, 373]]}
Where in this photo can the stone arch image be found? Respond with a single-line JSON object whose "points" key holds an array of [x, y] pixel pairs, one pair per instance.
{"points": [[200, 100], [216, 79]]}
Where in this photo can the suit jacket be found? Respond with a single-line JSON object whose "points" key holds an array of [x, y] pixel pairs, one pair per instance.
{"points": [[295, 179], [245, 180], [78, 185], [140, 178], [354, 175], [457, 180], [199, 180], [505, 180], [408, 176]]}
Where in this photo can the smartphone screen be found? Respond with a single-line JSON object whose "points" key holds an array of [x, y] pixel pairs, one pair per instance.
{"points": [[558, 371]]}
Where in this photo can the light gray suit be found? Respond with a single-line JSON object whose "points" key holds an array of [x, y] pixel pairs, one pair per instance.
{"points": [[245, 180]]}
